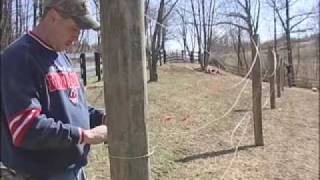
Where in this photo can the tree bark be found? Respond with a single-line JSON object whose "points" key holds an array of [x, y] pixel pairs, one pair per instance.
{"points": [[35, 12], [17, 19], [155, 45], [289, 48], [2, 2], [40, 8], [239, 50], [275, 28]]}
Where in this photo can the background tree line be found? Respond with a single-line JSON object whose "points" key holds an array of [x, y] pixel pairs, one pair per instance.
{"points": [[199, 26]]}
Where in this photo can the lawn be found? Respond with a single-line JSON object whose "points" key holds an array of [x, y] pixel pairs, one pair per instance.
{"points": [[198, 132]]}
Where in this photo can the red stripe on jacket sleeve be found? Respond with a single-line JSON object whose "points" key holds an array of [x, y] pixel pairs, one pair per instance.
{"points": [[21, 123]]}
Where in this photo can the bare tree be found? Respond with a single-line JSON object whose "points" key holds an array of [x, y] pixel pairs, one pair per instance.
{"points": [[246, 16], [197, 26], [1, 21], [17, 18], [5, 23], [40, 8], [97, 7], [273, 4], [204, 12], [288, 27], [35, 12], [184, 28], [236, 35], [156, 37]]}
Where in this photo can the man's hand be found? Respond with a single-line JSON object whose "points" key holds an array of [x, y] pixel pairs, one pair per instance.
{"points": [[96, 135]]}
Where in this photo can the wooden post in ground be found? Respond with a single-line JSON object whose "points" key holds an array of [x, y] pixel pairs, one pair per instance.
{"points": [[272, 77], [124, 66], [97, 60], [278, 76], [83, 68], [164, 56], [191, 57], [256, 95]]}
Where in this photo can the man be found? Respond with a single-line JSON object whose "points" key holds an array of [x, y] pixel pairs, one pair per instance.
{"points": [[47, 126]]}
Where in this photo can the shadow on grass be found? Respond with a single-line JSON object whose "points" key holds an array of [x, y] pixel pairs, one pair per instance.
{"points": [[213, 154], [247, 110]]}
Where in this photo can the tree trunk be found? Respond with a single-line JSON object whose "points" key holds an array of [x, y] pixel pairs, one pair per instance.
{"points": [[6, 24], [20, 18], [290, 60], [2, 2], [244, 56], [153, 69], [239, 50], [298, 64], [289, 48], [17, 19], [275, 27], [155, 44], [205, 39], [35, 10], [123, 40], [198, 32], [40, 9], [163, 42], [200, 59]]}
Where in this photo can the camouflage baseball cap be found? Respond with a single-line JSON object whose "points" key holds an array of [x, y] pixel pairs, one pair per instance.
{"points": [[75, 9]]}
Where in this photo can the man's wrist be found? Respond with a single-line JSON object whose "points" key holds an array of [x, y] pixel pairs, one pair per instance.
{"points": [[86, 135], [81, 136]]}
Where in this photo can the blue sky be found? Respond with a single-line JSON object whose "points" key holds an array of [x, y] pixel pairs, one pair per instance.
{"points": [[266, 22], [266, 27]]}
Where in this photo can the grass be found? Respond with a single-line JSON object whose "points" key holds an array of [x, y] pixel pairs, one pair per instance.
{"points": [[184, 100]]}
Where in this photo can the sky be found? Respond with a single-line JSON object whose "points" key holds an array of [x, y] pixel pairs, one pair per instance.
{"points": [[265, 28]]}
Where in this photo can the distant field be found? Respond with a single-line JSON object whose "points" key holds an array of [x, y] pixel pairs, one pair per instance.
{"points": [[305, 60]]}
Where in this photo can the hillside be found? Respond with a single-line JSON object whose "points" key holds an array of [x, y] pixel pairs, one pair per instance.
{"points": [[305, 59], [191, 141]]}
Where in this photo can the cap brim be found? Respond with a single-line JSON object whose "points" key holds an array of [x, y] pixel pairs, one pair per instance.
{"points": [[87, 22]]}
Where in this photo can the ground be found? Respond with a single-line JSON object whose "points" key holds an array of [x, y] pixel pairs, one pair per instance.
{"points": [[199, 129]]}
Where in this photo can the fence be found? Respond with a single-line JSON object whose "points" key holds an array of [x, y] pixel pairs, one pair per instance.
{"points": [[183, 57], [91, 59], [302, 82]]}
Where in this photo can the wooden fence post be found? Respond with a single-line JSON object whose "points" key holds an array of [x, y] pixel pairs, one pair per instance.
{"points": [[278, 76], [191, 57], [272, 77], [182, 55], [164, 56], [98, 65], [256, 94], [123, 40], [83, 68]]}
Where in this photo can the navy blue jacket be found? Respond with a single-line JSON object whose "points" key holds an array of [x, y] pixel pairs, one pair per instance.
{"points": [[45, 110]]}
